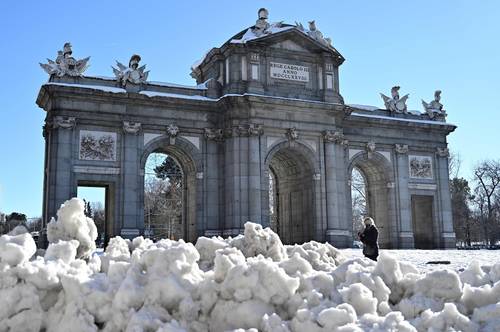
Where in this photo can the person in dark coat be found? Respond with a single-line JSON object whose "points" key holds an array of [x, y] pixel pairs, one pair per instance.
{"points": [[369, 238]]}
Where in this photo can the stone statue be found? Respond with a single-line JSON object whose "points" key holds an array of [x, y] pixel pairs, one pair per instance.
{"points": [[133, 73], [434, 108], [314, 33], [65, 64], [395, 104], [262, 25]]}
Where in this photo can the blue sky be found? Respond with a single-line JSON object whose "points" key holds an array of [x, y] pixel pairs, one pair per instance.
{"points": [[420, 45]]}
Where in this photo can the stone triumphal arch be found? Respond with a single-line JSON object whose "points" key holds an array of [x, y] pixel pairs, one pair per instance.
{"points": [[266, 123]]}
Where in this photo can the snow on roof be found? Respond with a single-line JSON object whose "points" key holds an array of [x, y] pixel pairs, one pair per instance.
{"points": [[200, 61], [88, 86], [364, 107], [174, 95], [201, 86], [250, 35], [402, 119]]}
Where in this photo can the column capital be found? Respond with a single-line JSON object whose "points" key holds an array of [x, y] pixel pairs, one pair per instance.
{"points": [[214, 134], [130, 127], [64, 122], [443, 152], [336, 137], [401, 148]]}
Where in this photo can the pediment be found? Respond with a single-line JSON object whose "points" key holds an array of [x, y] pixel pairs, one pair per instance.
{"points": [[294, 40], [289, 45]]}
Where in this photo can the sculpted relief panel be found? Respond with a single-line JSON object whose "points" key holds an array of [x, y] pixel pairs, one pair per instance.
{"points": [[97, 145], [420, 167]]}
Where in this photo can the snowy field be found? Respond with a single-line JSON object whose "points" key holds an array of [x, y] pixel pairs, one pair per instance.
{"points": [[250, 283], [459, 259]]}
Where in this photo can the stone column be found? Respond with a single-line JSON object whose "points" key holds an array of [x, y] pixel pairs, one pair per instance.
{"points": [[214, 138], [231, 183], [59, 186], [254, 175], [130, 178], [442, 177], [338, 232], [403, 198]]}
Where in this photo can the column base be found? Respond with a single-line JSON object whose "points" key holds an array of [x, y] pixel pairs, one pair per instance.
{"points": [[406, 240], [448, 241], [212, 232], [129, 233], [339, 238]]}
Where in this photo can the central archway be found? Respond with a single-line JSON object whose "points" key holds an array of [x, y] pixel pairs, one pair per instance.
{"points": [[181, 214], [291, 193]]}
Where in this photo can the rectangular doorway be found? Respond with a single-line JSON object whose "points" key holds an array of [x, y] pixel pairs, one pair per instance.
{"points": [[422, 220], [96, 207]]}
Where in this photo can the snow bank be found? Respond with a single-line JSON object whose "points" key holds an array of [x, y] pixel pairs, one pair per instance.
{"points": [[72, 224], [250, 283]]}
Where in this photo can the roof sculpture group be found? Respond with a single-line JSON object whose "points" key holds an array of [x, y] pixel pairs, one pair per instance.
{"points": [[65, 64], [395, 104]]}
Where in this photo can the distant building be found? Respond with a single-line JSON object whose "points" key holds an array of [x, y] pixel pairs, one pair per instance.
{"points": [[267, 104]]}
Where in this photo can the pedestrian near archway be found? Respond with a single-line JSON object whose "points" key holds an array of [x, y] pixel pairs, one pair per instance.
{"points": [[369, 238]]}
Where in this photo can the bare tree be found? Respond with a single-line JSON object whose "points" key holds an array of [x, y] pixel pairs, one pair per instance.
{"points": [[163, 190], [487, 179], [454, 163], [358, 198]]}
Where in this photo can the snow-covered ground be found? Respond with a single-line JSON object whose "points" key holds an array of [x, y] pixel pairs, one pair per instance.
{"points": [[459, 259], [250, 283]]}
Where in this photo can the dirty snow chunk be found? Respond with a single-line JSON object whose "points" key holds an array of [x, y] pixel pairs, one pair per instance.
{"points": [[443, 284], [488, 316], [475, 297], [449, 319], [16, 249], [342, 314], [360, 297], [72, 224], [392, 322], [63, 250], [474, 275], [207, 247], [257, 240], [260, 279], [274, 323], [321, 256], [228, 315]]}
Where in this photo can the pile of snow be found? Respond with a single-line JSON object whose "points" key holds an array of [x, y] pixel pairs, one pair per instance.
{"points": [[248, 283], [72, 223]]}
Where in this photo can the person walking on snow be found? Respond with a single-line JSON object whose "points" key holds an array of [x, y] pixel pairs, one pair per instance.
{"points": [[369, 238]]}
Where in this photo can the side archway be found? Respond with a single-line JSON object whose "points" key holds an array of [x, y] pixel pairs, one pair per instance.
{"points": [[378, 175], [188, 159]]}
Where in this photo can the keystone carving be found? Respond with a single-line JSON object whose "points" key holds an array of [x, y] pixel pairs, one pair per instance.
{"points": [[292, 134], [65, 64], [401, 148], [172, 132], [370, 147], [131, 127]]}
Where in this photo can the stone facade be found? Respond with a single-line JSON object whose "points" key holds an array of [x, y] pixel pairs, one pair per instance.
{"points": [[266, 101]]}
